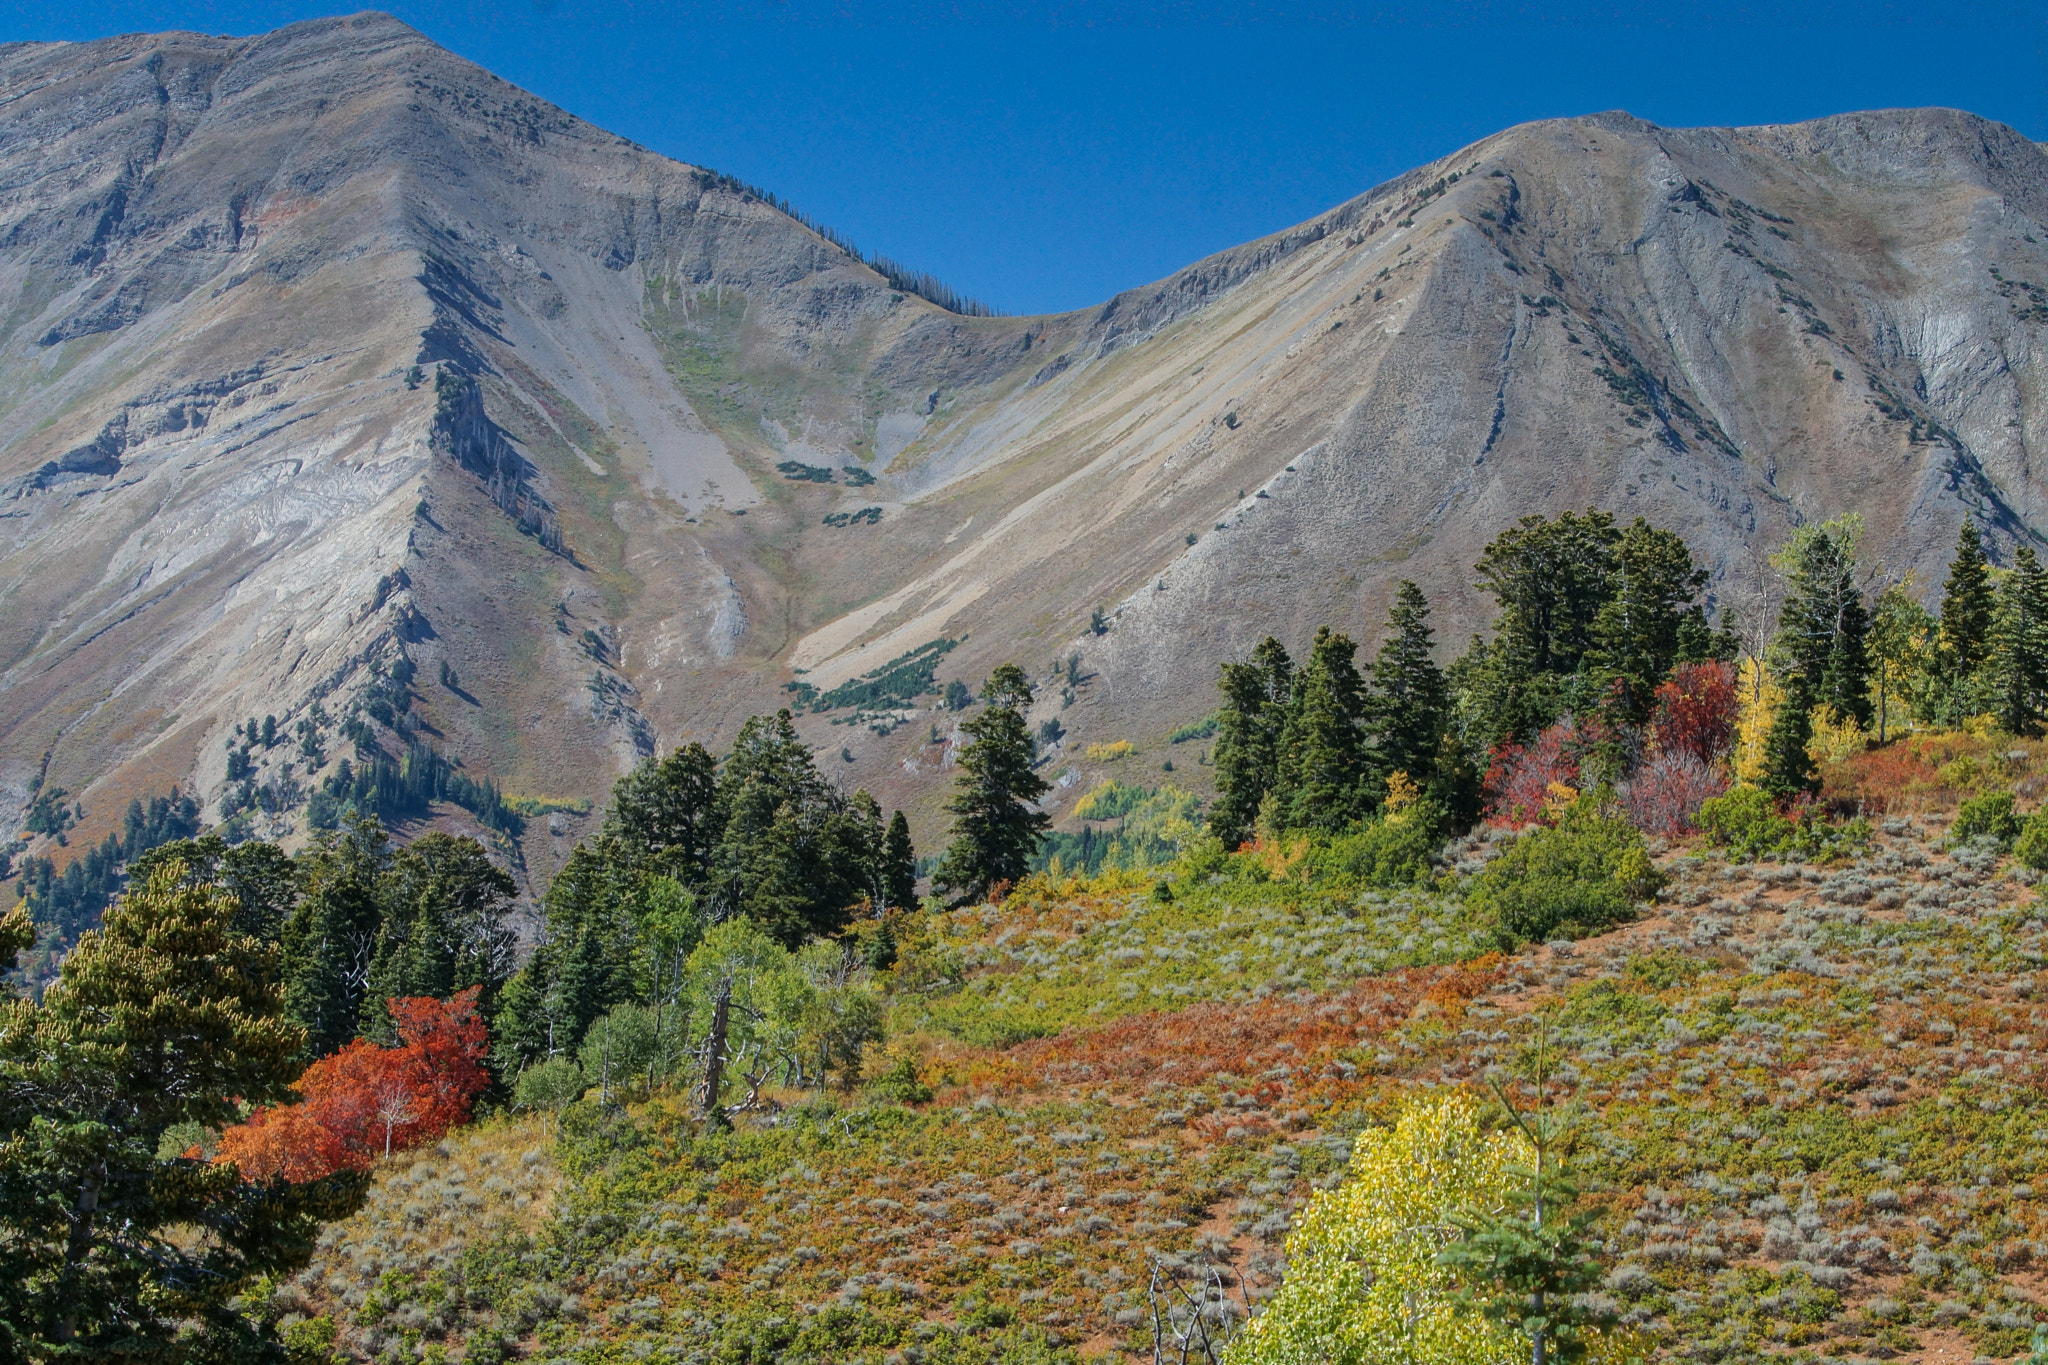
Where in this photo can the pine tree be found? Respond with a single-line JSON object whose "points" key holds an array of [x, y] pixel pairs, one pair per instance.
{"points": [[2018, 667], [1535, 1264], [1823, 628], [1323, 781], [1551, 580], [791, 854], [1256, 696], [330, 941], [995, 829], [899, 866], [109, 1249], [664, 815], [1637, 633], [261, 878], [582, 962], [1410, 698], [1968, 612], [1788, 768]]}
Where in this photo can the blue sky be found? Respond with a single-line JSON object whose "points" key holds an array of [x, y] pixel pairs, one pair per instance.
{"points": [[1044, 156]]}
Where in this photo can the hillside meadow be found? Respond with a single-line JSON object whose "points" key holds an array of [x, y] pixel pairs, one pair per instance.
{"points": [[1810, 1127]]}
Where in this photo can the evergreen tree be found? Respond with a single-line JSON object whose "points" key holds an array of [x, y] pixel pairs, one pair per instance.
{"points": [[1535, 1263], [260, 876], [1968, 613], [899, 866], [445, 928], [664, 815], [111, 1250], [1410, 698], [1727, 639], [1696, 643], [995, 830], [1788, 768], [1640, 629], [1323, 781], [2018, 667], [792, 853], [330, 941], [1821, 649], [1551, 580], [1256, 697], [1823, 628], [581, 965]]}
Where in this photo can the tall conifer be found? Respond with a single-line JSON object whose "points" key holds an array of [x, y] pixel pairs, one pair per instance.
{"points": [[1256, 696], [1968, 609], [1822, 647], [1640, 629], [899, 865], [331, 939], [1323, 781], [111, 1249], [1410, 697], [995, 828], [2018, 666]]}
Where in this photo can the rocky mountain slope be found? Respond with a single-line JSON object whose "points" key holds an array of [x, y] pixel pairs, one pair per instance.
{"points": [[336, 372]]}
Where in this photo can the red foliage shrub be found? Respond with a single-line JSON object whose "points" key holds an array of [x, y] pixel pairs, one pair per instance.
{"points": [[1697, 711], [365, 1100], [285, 1144], [1520, 782], [1667, 792]]}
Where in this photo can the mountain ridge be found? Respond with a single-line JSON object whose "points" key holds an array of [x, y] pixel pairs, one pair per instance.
{"points": [[521, 390]]}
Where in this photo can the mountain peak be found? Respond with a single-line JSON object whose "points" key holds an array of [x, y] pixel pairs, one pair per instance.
{"points": [[333, 360]]}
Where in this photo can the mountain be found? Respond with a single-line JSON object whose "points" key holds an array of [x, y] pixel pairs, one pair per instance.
{"points": [[343, 382]]}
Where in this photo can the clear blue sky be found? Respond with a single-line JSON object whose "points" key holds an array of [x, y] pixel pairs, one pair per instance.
{"points": [[1044, 156]]}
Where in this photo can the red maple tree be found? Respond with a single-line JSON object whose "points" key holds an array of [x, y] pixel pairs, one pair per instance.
{"points": [[1526, 786], [1697, 710], [367, 1100]]}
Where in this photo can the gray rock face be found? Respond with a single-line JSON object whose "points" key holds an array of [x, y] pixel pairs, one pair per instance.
{"points": [[326, 348]]}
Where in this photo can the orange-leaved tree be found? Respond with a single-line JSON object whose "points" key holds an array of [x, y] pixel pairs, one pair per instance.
{"points": [[367, 1100]]}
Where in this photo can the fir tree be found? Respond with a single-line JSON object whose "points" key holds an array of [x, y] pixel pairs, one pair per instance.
{"points": [[1823, 628], [581, 965], [995, 829], [1638, 630], [899, 866], [1534, 1263], [1788, 768], [1968, 613], [1323, 781], [261, 878], [110, 1249], [2018, 666], [1551, 580], [1256, 696], [1410, 698], [791, 854], [330, 941], [1696, 642], [1821, 647], [445, 928], [664, 815]]}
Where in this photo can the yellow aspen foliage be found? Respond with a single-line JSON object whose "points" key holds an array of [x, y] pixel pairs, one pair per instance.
{"points": [[1835, 736], [1759, 695], [1401, 794], [1557, 799], [1363, 1286]]}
